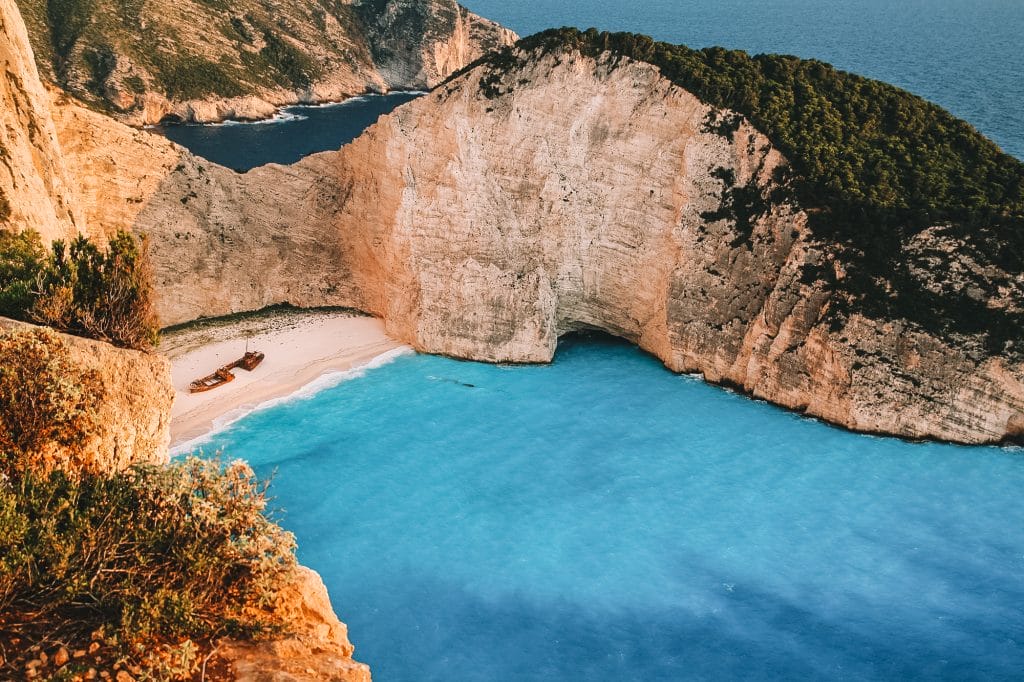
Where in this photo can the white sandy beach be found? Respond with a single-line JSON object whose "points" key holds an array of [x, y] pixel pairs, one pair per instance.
{"points": [[299, 348]]}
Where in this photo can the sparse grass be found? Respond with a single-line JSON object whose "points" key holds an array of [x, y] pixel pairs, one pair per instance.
{"points": [[191, 77]]}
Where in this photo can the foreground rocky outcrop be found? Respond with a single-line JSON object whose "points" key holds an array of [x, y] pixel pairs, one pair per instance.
{"points": [[197, 60], [482, 222], [316, 649], [39, 191], [133, 420], [131, 427]]}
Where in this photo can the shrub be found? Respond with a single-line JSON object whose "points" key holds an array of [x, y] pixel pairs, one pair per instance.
{"points": [[100, 295], [47, 404], [152, 557], [101, 62], [67, 20], [21, 261], [189, 77], [293, 66]]}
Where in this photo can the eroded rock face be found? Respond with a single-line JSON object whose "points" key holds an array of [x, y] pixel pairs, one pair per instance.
{"points": [[134, 417], [317, 649], [495, 214], [418, 44], [486, 227], [35, 191]]}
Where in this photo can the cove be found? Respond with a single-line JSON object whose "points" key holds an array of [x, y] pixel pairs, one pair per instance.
{"points": [[602, 518], [296, 132]]}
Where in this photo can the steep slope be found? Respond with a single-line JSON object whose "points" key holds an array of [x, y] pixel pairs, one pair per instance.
{"points": [[35, 192], [206, 60], [482, 221]]}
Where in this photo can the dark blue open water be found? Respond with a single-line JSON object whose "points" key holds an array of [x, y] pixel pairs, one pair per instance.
{"points": [[602, 518], [297, 132]]}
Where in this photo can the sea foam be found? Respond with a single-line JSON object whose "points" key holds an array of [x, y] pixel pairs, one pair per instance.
{"points": [[323, 382]]}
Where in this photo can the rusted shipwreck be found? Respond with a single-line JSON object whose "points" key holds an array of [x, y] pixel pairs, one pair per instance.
{"points": [[248, 362]]}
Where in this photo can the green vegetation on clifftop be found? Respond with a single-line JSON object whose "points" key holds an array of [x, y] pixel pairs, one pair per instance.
{"points": [[142, 569], [858, 144], [79, 288]]}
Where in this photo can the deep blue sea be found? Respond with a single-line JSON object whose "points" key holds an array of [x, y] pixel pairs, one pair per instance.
{"points": [[296, 132], [602, 518]]}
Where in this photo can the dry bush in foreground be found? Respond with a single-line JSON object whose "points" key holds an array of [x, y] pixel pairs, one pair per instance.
{"points": [[47, 403]]}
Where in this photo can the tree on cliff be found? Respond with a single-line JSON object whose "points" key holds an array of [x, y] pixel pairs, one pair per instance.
{"points": [[81, 289], [21, 259]]}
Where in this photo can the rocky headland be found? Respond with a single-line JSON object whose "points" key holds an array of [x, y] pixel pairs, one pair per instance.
{"points": [[204, 61]]}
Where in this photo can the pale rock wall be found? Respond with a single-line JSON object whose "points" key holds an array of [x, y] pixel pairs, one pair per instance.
{"points": [[417, 43], [134, 418], [316, 649], [35, 191], [488, 227], [221, 242]]}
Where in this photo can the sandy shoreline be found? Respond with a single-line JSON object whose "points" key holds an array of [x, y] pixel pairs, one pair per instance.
{"points": [[299, 346]]}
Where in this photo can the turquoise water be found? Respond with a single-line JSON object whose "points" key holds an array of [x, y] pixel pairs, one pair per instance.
{"points": [[604, 519]]}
